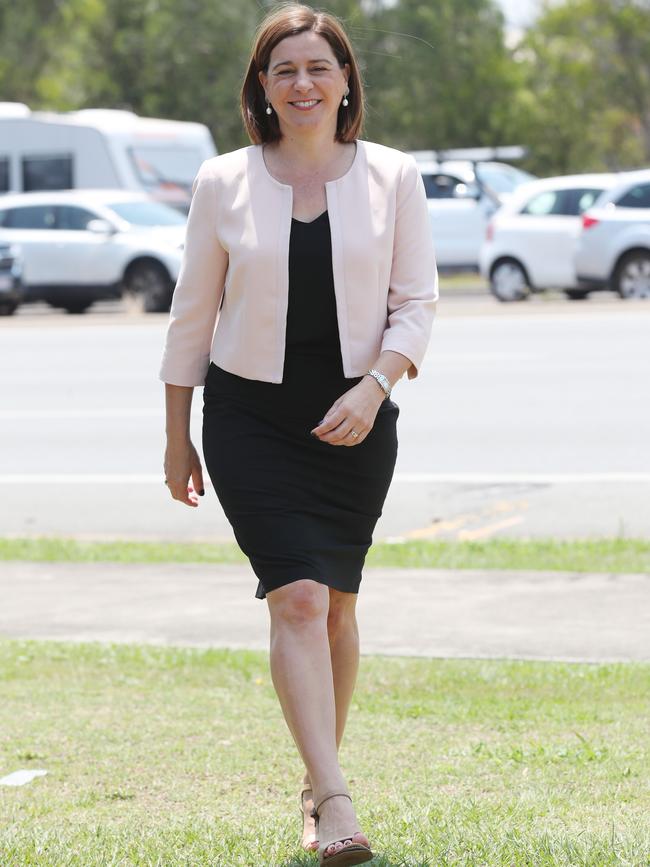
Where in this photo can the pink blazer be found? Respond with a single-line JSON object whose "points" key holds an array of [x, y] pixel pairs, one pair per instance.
{"points": [[235, 267]]}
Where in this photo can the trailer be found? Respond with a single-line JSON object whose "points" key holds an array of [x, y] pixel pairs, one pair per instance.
{"points": [[100, 148]]}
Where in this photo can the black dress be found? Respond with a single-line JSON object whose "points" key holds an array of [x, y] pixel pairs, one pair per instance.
{"points": [[299, 507]]}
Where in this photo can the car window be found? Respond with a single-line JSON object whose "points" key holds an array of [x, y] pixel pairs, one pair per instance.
{"points": [[567, 203], [637, 197], [74, 217], [577, 201], [441, 186], [147, 213], [4, 174], [31, 217], [47, 172], [543, 204]]}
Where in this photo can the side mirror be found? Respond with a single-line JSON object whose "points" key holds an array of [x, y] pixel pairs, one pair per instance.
{"points": [[100, 227]]}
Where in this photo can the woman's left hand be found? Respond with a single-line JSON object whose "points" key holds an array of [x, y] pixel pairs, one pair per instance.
{"points": [[355, 410]]}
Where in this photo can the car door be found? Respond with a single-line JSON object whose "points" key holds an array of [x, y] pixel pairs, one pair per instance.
{"points": [[458, 215], [88, 258], [31, 227], [548, 227]]}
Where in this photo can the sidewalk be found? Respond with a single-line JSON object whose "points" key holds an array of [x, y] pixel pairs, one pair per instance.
{"points": [[424, 612]]}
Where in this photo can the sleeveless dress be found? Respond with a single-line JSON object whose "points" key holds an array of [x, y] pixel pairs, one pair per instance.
{"points": [[299, 507]]}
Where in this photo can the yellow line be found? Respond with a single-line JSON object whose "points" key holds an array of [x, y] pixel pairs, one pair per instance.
{"points": [[482, 532]]}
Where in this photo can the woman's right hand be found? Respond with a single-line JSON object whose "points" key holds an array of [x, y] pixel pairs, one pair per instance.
{"points": [[182, 463]]}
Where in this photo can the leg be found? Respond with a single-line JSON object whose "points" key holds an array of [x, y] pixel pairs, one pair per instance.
{"points": [[301, 669], [343, 637]]}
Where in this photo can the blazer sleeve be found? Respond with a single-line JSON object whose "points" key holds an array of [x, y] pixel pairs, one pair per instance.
{"points": [[199, 289], [413, 289]]}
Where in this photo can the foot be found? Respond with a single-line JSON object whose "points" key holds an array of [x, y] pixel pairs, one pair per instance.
{"points": [[338, 822], [309, 839]]}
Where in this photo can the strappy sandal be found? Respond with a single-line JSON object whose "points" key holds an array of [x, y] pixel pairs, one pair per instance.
{"points": [[353, 853], [306, 787]]}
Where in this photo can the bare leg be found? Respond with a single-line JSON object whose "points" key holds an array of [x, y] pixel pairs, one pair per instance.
{"points": [[302, 673], [343, 636]]}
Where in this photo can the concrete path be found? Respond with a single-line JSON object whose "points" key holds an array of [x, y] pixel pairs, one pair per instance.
{"points": [[437, 613]]}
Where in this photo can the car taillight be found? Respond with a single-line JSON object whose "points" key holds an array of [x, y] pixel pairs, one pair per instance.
{"points": [[588, 222], [489, 232]]}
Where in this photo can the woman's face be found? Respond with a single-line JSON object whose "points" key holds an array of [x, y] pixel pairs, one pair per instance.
{"points": [[305, 84]]}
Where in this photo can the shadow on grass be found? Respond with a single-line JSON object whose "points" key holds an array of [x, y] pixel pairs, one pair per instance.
{"points": [[310, 860]]}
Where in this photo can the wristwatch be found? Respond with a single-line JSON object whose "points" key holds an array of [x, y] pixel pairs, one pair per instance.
{"points": [[381, 380]]}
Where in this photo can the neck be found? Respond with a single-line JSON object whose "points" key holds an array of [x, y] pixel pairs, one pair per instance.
{"points": [[309, 150]]}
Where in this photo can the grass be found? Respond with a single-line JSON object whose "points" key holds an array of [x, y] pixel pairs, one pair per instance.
{"points": [[166, 756], [591, 555]]}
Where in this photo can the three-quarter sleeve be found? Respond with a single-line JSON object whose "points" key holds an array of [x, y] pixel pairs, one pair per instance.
{"points": [[413, 289], [198, 291]]}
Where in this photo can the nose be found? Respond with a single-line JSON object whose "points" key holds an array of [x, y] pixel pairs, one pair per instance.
{"points": [[303, 81]]}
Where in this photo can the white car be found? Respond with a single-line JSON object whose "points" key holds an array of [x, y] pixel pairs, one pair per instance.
{"points": [[530, 242], [79, 246], [462, 195], [613, 250]]}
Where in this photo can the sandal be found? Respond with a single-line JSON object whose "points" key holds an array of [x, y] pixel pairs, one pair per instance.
{"points": [[353, 853], [306, 787]]}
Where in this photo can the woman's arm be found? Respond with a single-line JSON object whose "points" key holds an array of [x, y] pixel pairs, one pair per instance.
{"points": [[181, 458]]}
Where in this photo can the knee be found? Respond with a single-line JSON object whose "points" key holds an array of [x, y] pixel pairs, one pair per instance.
{"points": [[341, 615], [301, 603]]}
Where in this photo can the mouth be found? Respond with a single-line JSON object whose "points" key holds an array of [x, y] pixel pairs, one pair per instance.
{"points": [[305, 104]]}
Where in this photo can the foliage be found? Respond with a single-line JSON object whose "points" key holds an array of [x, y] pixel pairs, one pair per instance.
{"points": [[441, 73]]}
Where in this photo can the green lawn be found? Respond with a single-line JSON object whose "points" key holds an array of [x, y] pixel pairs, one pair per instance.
{"points": [[596, 555], [165, 756]]}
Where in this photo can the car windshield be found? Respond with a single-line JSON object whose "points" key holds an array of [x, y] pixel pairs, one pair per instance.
{"points": [[148, 214], [502, 179]]}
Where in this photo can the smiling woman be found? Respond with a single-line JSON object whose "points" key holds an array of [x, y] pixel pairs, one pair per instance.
{"points": [[311, 250]]}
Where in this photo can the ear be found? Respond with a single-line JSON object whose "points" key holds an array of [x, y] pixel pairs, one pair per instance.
{"points": [[263, 79], [345, 69]]}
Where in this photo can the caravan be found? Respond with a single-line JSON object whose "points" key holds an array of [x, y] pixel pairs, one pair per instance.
{"points": [[100, 148]]}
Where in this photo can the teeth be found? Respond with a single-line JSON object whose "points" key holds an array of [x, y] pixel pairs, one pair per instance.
{"points": [[307, 103]]}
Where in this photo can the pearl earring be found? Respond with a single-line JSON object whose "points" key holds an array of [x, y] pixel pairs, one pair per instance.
{"points": [[345, 102], [269, 110]]}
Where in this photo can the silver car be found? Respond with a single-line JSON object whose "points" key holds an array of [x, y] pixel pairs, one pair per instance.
{"points": [[613, 250]]}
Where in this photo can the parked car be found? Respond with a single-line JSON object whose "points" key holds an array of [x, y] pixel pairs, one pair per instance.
{"points": [[100, 148], [613, 250], [462, 194], [11, 287], [79, 246], [530, 242]]}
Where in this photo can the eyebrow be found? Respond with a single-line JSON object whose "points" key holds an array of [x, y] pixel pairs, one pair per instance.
{"points": [[317, 60]]}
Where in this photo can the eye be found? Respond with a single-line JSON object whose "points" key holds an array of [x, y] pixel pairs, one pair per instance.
{"points": [[284, 72]]}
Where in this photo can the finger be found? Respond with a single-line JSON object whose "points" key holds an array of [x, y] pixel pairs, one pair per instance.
{"points": [[181, 492], [330, 421], [197, 480], [343, 433]]}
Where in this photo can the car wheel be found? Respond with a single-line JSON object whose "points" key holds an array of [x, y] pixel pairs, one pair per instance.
{"points": [[7, 308], [632, 275], [76, 307], [576, 294], [148, 288], [509, 281]]}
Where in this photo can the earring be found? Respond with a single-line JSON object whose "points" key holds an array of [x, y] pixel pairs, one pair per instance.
{"points": [[345, 102], [269, 110]]}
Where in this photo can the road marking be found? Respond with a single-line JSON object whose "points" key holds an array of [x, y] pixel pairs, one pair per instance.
{"points": [[489, 529], [60, 414], [402, 478]]}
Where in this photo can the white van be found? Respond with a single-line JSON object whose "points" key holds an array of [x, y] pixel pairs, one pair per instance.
{"points": [[100, 148]]}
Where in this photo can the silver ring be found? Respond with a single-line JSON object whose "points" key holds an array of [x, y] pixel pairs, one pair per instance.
{"points": [[354, 434]]}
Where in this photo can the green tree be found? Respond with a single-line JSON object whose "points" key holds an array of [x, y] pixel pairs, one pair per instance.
{"points": [[585, 99]]}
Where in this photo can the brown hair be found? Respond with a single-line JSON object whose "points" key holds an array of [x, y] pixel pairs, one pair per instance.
{"points": [[290, 19]]}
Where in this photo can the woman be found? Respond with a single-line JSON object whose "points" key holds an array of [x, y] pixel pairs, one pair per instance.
{"points": [[311, 250]]}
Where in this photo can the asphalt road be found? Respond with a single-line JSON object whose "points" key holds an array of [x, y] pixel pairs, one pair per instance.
{"points": [[527, 420]]}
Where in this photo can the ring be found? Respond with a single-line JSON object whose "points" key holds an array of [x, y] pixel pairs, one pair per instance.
{"points": [[354, 434]]}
